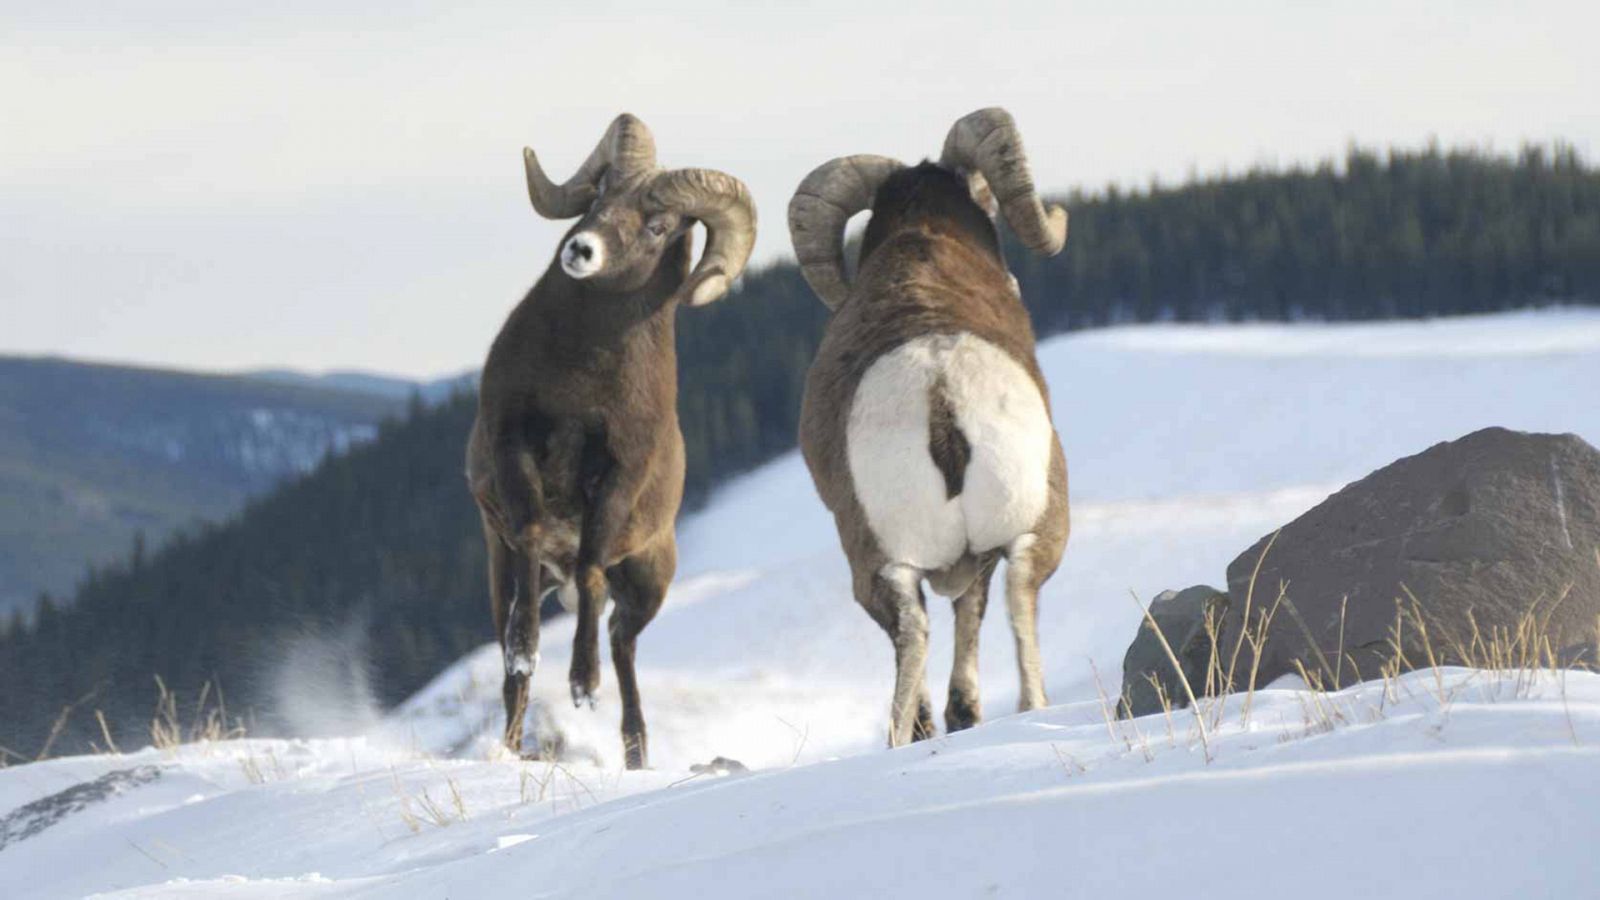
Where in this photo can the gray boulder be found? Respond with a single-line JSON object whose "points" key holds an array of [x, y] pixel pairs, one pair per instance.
{"points": [[1182, 618], [1470, 535]]}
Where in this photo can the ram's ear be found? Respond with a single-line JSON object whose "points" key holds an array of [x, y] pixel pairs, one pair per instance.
{"points": [[978, 186]]}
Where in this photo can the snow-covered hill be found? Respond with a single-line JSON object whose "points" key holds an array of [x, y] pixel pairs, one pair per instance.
{"points": [[1185, 444]]}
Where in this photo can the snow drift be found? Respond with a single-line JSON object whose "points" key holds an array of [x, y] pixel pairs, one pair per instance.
{"points": [[1185, 445]]}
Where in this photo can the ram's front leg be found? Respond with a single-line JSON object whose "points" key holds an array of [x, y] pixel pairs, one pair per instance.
{"points": [[611, 503], [585, 672], [517, 483]]}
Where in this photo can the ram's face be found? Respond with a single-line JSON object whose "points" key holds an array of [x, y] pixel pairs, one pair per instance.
{"points": [[618, 244]]}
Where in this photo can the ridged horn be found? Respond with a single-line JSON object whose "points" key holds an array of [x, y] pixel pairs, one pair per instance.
{"points": [[627, 148], [987, 142], [722, 204], [822, 204]]}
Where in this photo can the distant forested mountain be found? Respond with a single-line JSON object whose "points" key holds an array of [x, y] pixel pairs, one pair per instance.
{"points": [[1402, 235], [93, 456], [386, 532]]}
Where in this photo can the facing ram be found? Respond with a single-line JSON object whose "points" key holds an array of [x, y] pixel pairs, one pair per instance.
{"points": [[576, 460], [926, 422]]}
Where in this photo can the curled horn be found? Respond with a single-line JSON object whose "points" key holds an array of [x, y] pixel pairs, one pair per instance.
{"points": [[987, 142], [627, 148], [722, 204], [824, 202]]}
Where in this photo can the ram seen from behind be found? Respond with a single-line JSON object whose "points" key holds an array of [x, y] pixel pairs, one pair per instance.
{"points": [[576, 459], [926, 422]]}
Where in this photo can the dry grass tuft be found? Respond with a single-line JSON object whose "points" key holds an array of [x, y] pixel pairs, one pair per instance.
{"points": [[1108, 710], [421, 808], [263, 768], [208, 722], [1069, 764], [1194, 702], [61, 722], [1515, 660], [546, 784]]}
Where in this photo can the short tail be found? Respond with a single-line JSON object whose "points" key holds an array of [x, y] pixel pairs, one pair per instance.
{"points": [[949, 447]]}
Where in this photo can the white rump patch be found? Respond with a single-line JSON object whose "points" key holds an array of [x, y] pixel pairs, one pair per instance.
{"points": [[998, 408]]}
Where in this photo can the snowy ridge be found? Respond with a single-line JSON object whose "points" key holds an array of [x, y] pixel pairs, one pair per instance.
{"points": [[1185, 445], [1531, 333], [1478, 795]]}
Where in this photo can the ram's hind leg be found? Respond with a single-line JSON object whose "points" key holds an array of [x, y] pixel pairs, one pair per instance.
{"points": [[964, 708], [923, 728], [514, 590], [1026, 569], [893, 597], [639, 585]]}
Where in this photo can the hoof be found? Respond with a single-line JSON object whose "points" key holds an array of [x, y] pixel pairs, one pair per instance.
{"points": [[923, 728], [583, 694], [584, 677], [960, 714]]}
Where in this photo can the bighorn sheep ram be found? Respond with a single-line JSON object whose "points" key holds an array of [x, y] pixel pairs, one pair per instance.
{"points": [[576, 460], [926, 422]]}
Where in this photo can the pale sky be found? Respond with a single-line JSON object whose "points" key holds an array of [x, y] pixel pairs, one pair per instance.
{"points": [[224, 186]]}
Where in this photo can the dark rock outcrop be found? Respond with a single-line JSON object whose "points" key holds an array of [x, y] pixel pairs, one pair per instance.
{"points": [[1181, 616], [1499, 530], [31, 818]]}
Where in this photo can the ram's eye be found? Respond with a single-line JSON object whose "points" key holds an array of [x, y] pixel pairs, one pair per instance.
{"points": [[657, 227]]}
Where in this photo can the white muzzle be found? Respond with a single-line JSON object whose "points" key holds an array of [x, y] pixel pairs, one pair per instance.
{"points": [[583, 255]]}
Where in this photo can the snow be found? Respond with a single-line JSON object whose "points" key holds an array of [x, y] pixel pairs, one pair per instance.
{"points": [[1185, 443]]}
